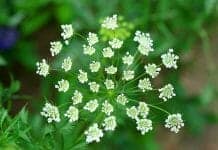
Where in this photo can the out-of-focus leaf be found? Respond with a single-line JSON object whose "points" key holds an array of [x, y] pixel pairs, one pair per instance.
{"points": [[3, 62], [15, 86], [26, 55], [34, 22], [207, 95], [23, 115], [210, 6]]}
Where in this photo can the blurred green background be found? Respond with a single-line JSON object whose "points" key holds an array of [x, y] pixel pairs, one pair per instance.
{"points": [[189, 26]]}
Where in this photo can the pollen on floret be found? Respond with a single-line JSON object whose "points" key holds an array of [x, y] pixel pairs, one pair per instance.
{"points": [[92, 38], [170, 59], [94, 66], [174, 122], [62, 86], [94, 133], [51, 112], [110, 22], [109, 84], [91, 106], [107, 52], [166, 92], [111, 69], [94, 87], [128, 75], [144, 125], [132, 112], [144, 84], [107, 108], [55, 48], [127, 59], [72, 114], [152, 70], [82, 77], [67, 64], [115, 43], [77, 97], [122, 99], [88, 50], [110, 123], [42, 68]]}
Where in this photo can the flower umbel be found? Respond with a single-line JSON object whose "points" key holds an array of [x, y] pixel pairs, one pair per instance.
{"points": [[113, 78]]}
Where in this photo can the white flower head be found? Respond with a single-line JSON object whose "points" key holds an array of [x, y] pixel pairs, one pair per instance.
{"points": [[152, 70], [77, 97], [110, 22], [110, 123], [93, 134], [94, 66], [107, 52], [67, 64], [109, 84], [42, 68], [91, 106], [51, 113], [116, 43], [67, 32], [128, 59], [169, 59], [144, 84], [55, 48], [132, 112], [111, 69], [82, 77], [62, 86], [174, 122], [72, 113], [143, 109], [167, 92], [88, 50], [143, 39], [92, 38], [122, 99], [107, 108], [128, 75], [145, 50], [94, 87], [144, 125]]}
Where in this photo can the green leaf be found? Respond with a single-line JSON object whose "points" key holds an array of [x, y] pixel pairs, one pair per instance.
{"points": [[15, 86], [3, 62]]}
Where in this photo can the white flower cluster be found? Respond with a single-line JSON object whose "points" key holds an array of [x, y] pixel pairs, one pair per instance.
{"points": [[116, 43], [145, 42], [62, 86], [42, 68], [174, 122], [67, 64], [55, 48], [140, 114], [51, 113], [110, 23], [111, 78], [67, 32], [72, 113]]}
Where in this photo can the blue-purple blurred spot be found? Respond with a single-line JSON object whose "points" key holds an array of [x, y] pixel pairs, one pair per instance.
{"points": [[8, 37]]}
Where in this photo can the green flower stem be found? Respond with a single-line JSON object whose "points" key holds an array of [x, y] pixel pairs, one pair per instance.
{"points": [[79, 35], [158, 108], [153, 106]]}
